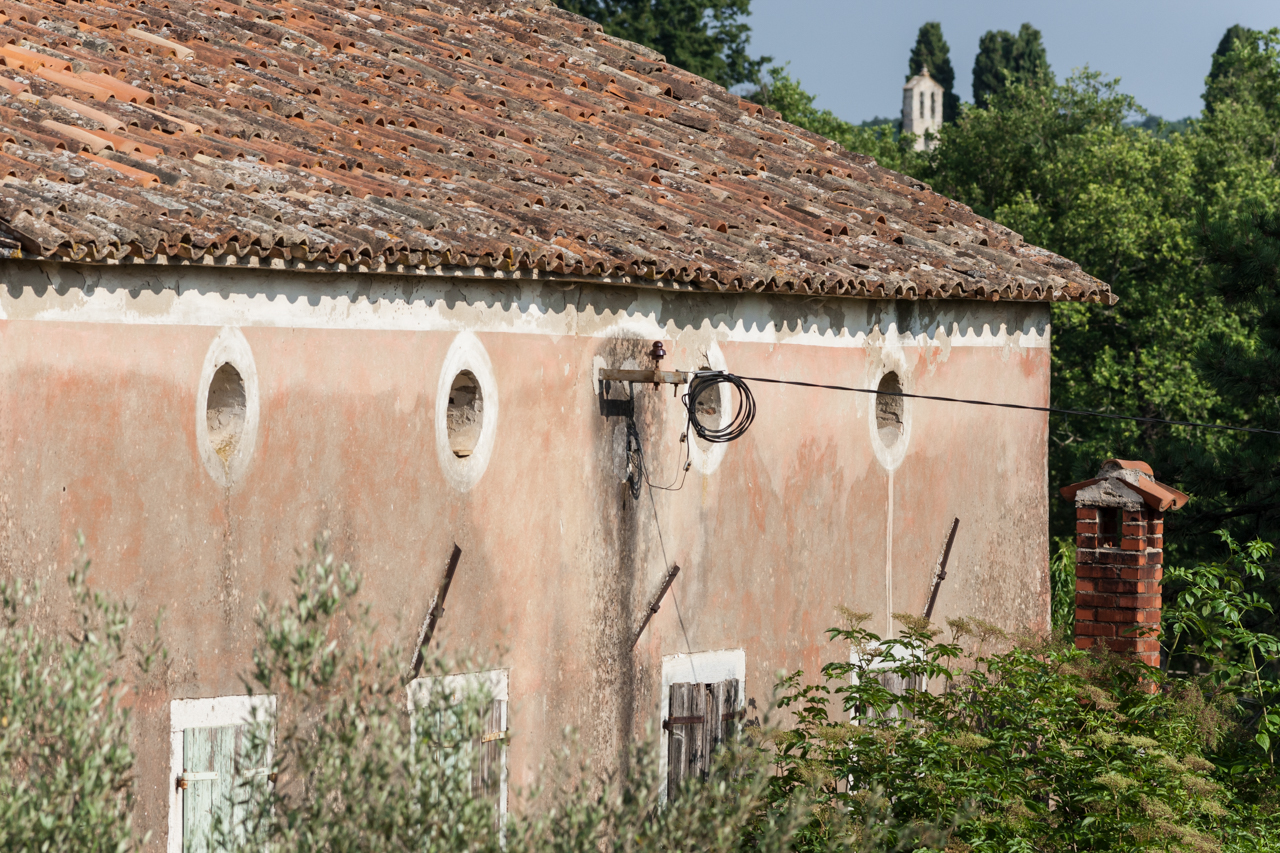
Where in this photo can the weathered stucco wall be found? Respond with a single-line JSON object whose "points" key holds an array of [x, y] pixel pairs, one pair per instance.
{"points": [[100, 377]]}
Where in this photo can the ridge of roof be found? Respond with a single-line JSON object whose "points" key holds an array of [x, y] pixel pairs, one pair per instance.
{"points": [[506, 134]]}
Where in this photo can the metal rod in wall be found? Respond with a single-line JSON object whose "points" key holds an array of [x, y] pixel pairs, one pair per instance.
{"points": [[435, 612], [656, 602], [940, 571]]}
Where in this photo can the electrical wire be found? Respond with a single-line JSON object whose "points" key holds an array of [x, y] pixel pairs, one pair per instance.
{"points": [[636, 447], [706, 381], [657, 524], [684, 469], [1050, 409], [666, 561]]}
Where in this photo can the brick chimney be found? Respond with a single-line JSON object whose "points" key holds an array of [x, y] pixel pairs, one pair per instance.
{"points": [[1120, 557]]}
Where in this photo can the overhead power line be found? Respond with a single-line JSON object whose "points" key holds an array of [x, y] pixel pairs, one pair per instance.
{"points": [[1050, 409]]}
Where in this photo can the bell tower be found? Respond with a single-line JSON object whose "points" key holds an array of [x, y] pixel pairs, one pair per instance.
{"points": [[922, 108]]}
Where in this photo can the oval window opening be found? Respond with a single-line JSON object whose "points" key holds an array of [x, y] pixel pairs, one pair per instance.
{"points": [[889, 409], [225, 412], [709, 408], [465, 415]]}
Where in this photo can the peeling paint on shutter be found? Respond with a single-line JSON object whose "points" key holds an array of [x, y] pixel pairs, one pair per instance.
{"points": [[218, 793], [700, 718], [483, 755], [197, 797], [486, 771]]}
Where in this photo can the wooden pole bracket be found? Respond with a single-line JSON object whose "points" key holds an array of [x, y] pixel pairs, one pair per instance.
{"points": [[434, 613], [657, 377], [656, 602], [940, 569]]}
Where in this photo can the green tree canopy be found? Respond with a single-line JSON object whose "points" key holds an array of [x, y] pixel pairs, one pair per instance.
{"points": [[706, 37], [1004, 58], [1234, 68], [931, 51], [1060, 164], [1235, 481], [1233, 39], [1242, 476]]}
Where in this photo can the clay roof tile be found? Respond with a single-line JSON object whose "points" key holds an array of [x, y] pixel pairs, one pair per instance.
{"points": [[496, 128]]}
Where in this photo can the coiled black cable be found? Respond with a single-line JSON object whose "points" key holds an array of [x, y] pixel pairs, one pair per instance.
{"points": [[707, 382]]}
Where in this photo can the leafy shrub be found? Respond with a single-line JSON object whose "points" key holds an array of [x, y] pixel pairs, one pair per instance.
{"points": [[1212, 622], [65, 761], [1020, 744], [1062, 587], [355, 771]]}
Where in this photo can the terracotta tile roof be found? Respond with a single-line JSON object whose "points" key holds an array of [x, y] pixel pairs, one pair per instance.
{"points": [[504, 135]]}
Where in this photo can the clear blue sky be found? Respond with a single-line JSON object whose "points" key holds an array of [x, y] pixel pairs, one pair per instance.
{"points": [[853, 54]]}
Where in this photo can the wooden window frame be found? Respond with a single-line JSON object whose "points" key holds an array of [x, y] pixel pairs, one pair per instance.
{"points": [[698, 667], [497, 683], [204, 713], [703, 717]]}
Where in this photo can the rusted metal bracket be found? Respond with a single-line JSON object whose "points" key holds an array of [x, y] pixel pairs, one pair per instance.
{"points": [[656, 602], [727, 716], [682, 721], [940, 570], [657, 377], [434, 612]]}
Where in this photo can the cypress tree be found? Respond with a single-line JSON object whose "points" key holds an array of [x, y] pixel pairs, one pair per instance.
{"points": [[1228, 71], [1235, 37], [932, 52], [1004, 58], [1030, 61], [991, 66]]}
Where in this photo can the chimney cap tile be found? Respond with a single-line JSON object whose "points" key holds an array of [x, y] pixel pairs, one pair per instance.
{"points": [[1129, 465], [1123, 477]]}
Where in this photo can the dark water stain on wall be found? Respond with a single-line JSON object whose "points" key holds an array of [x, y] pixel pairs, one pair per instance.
{"points": [[630, 553]]}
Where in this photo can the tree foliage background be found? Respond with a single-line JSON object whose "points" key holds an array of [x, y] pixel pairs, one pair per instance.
{"points": [[706, 37], [931, 51], [1005, 59]]}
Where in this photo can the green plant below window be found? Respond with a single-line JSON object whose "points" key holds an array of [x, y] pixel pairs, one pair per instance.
{"points": [[1207, 624], [1004, 743], [985, 742], [66, 766], [357, 771]]}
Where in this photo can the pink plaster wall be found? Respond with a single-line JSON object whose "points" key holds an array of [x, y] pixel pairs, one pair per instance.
{"points": [[97, 434]]}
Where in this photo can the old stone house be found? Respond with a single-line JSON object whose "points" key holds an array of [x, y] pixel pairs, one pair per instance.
{"points": [[270, 269]]}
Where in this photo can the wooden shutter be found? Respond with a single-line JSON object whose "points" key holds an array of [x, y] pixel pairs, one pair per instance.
{"points": [[486, 770], [699, 718], [217, 792], [897, 685]]}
